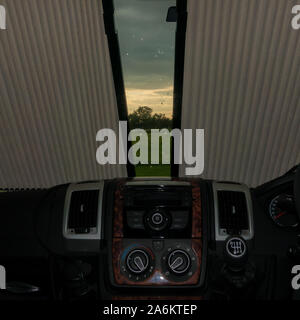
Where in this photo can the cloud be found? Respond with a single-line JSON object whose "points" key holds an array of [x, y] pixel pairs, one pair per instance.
{"points": [[147, 44], [168, 92], [158, 99]]}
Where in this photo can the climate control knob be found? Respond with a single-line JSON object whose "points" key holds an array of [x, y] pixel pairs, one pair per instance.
{"points": [[179, 262], [137, 261]]}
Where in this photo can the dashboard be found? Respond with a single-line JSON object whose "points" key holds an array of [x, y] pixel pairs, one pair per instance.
{"points": [[142, 238]]}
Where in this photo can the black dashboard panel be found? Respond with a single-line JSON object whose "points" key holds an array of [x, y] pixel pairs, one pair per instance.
{"points": [[149, 237], [18, 223]]}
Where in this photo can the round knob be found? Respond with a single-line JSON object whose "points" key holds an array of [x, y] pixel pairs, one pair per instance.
{"points": [[137, 261], [157, 220], [236, 253], [179, 262]]}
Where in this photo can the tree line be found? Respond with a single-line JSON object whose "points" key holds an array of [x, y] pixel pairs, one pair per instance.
{"points": [[143, 118]]}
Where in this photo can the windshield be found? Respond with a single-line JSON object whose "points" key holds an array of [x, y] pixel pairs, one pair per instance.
{"points": [[147, 48]]}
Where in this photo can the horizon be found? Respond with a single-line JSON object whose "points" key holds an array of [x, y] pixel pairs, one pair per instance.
{"points": [[147, 49]]}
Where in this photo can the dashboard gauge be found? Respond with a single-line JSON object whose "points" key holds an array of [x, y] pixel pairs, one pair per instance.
{"points": [[282, 210]]}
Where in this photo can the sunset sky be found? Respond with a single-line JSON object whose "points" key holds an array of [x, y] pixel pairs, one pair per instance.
{"points": [[147, 51]]}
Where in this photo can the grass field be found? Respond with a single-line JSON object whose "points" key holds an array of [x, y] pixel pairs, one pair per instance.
{"points": [[158, 170], [153, 170]]}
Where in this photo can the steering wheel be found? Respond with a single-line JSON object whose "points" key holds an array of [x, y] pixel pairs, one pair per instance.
{"points": [[297, 189]]}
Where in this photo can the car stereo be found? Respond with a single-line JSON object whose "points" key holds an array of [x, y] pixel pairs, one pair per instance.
{"points": [[157, 211]]}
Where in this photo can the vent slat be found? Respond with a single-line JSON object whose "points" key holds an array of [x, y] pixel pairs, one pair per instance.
{"points": [[83, 210], [233, 214]]}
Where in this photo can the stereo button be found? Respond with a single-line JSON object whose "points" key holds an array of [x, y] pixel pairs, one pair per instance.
{"points": [[157, 245], [135, 219]]}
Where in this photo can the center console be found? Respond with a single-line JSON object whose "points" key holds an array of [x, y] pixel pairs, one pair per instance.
{"points": [[157, 234]]}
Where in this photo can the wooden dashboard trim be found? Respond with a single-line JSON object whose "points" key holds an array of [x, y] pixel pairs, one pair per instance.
{"points": [[118, 210], [157, 278], [197, 214]]}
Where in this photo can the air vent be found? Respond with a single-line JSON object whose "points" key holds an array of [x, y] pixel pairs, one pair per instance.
{"points": [[83, 212], [233, 211], [233, 214]]}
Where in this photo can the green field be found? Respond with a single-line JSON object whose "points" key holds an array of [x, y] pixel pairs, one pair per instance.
{"points": [[159, 170], [153, 170]]}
